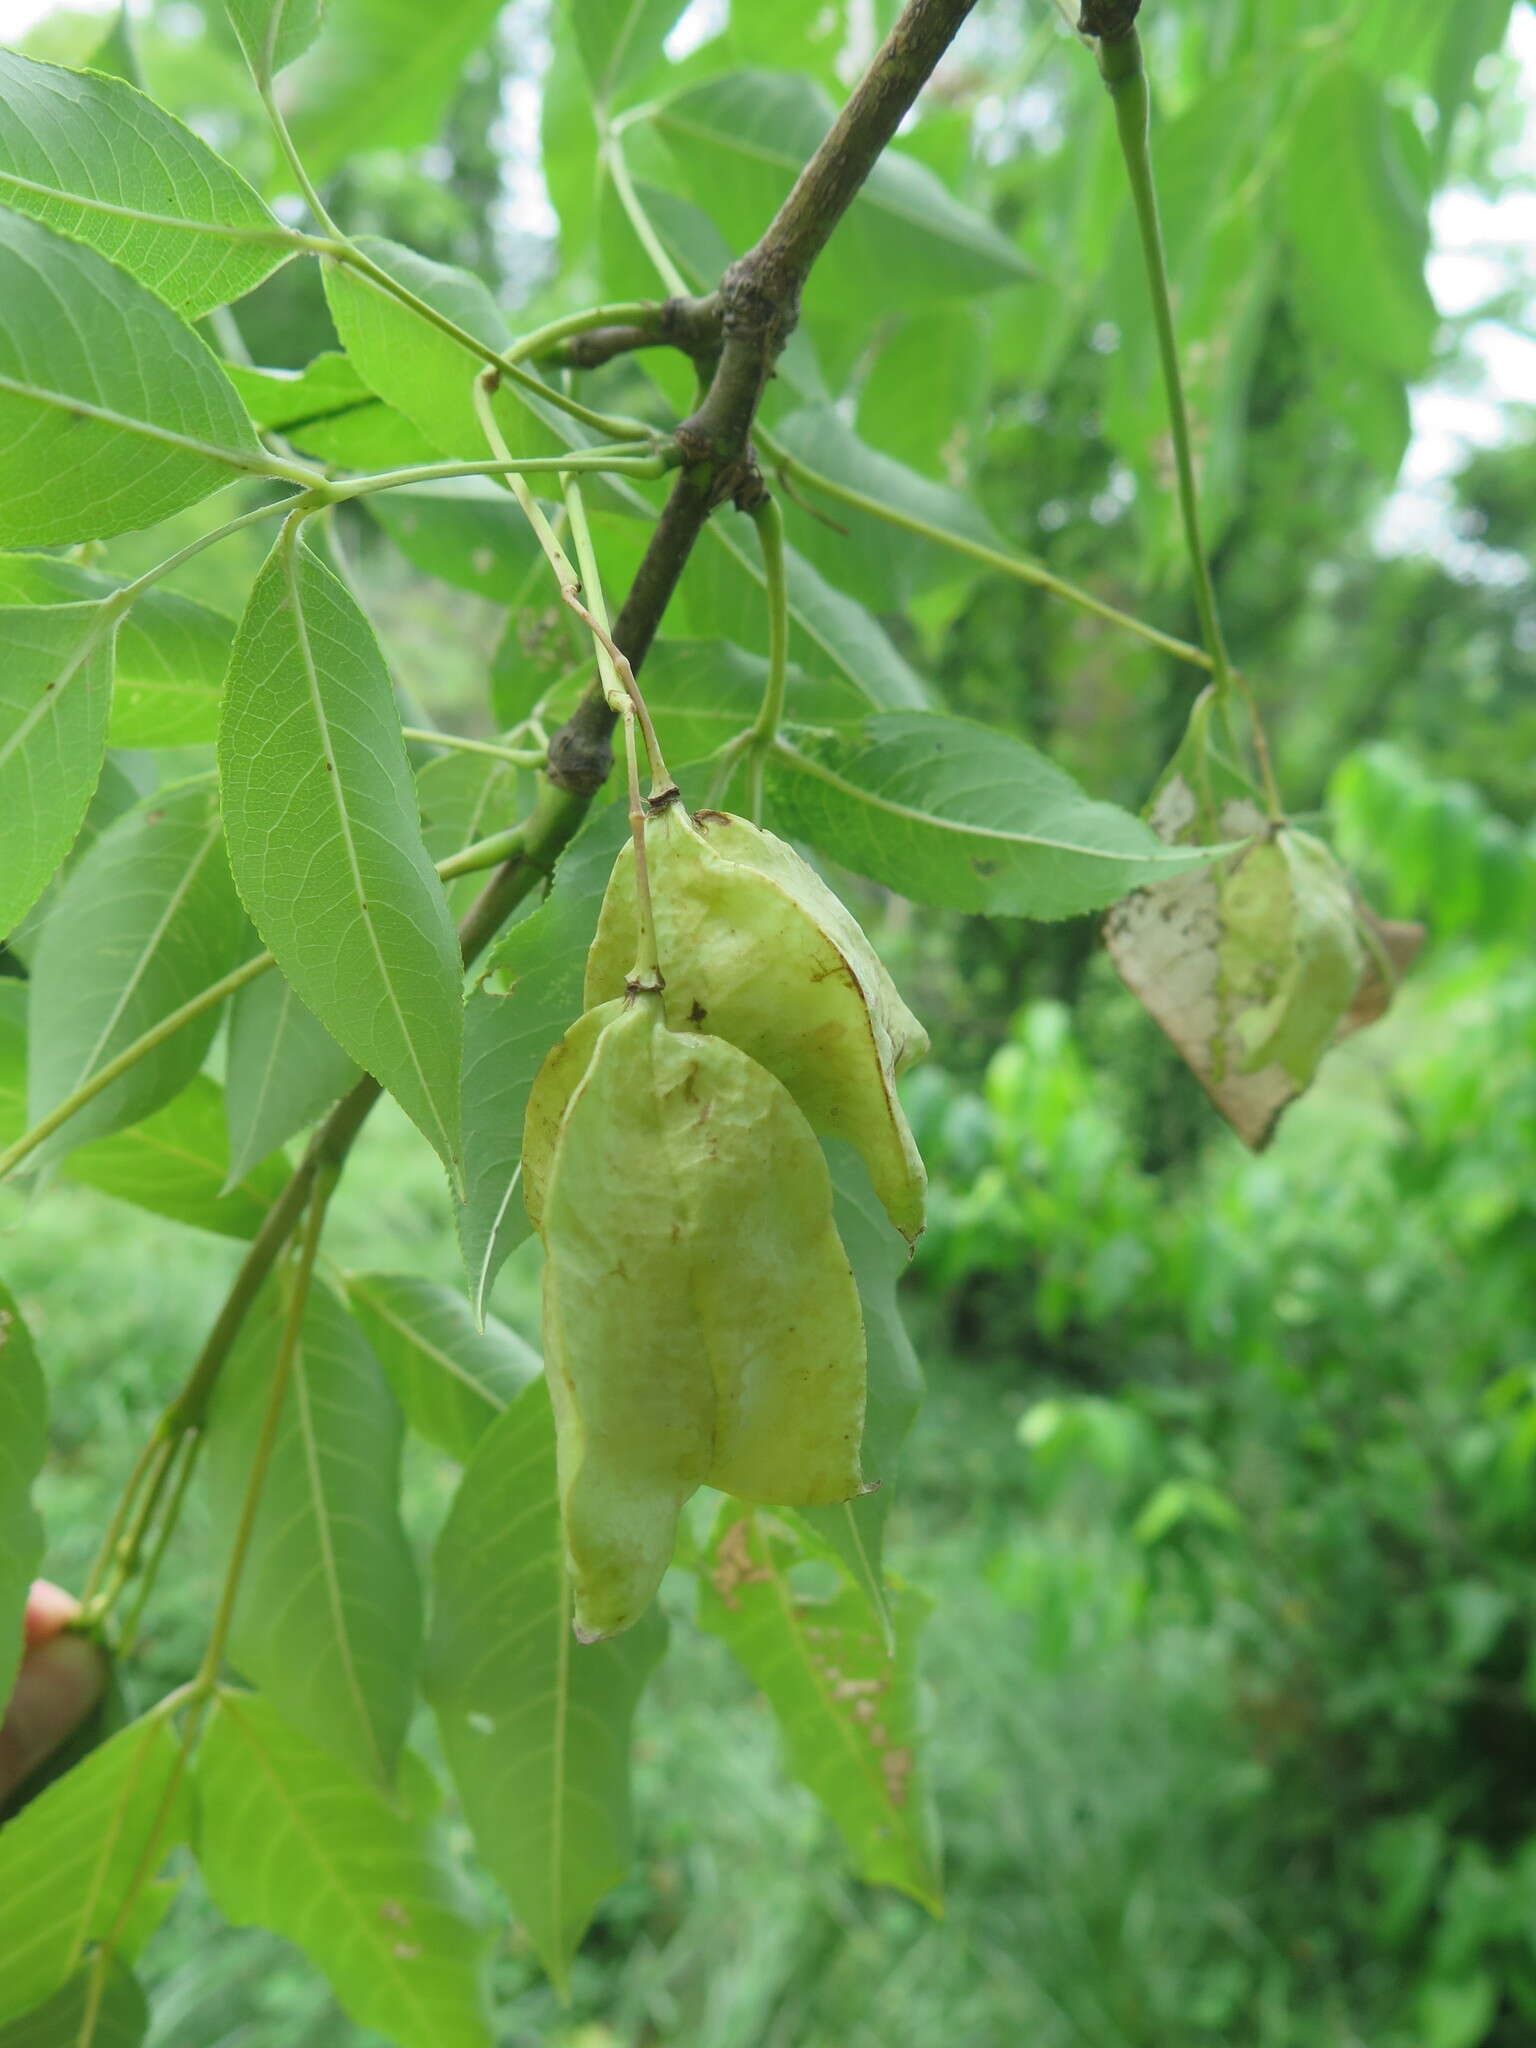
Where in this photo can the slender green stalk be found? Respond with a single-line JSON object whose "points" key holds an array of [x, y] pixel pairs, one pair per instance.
{"points": [[769, 521], [148, 1452], [286, 144], [188, 1447], [205, 1683], [1019, 567], [565, 571], [624, 458], [282, 1371], [618, 677], [639, 219], [457, 743], [299, 502], [485, 853], [628, 313], [129, 1057], [1125, 75]]}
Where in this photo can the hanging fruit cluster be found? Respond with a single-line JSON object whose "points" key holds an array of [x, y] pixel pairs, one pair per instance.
{"points": [[701, 1322]]}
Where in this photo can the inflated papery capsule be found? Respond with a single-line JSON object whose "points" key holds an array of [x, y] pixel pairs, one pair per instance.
{"points": [[1289, 958], [758, 950], [701, 1320]]}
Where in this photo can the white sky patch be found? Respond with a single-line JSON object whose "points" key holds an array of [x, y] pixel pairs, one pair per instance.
{"points": [[1480, 248]]}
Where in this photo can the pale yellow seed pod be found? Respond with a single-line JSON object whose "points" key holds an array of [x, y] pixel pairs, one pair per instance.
{"points": [[701, 1320], [755, 948]]}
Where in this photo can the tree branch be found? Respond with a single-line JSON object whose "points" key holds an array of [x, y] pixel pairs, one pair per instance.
{"points": [[759, 302]]}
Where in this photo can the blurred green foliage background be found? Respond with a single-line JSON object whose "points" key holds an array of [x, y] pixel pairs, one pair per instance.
{"points": [[1224, 1491]]}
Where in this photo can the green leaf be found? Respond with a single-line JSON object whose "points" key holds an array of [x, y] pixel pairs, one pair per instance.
{"points": [[702, 692], [121, 2018], [619, 41], [55, 694], [535, 1727], [464, 530], [273, 32], [451, 1379], [328, 1621], [144, 922], [422, 372], [328, 411], [963, 816], [465, 797], [289, 1839], [924, 399], [283, 1069], [855, 1529], [325, 842], [742, 140], [1357, 224], [70, 1857], [113, 415], [176, 1164], [381, 76], [879, 565], [97, 160], [171, 652], [541, 964], [23, 1446], [721, 597], [845, 1707]]}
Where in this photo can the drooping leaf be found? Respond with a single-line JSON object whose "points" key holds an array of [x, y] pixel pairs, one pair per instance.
{"points": [[535, 1726], [23, 1445], [290, 1839], [424, 373], [113, 414], [171, 652], [99, 161], [742, 140], [451, 1379], [144, 922], [273, 32], [121, 2017], [380, 77], [325, 841], [328, 1621], [845, 1706], [1357, 225], [70, 1857], [55, 695], [855, 1529], [540, 965], [176, 1164], [960, 815], [283, 1068], [619, 41]]}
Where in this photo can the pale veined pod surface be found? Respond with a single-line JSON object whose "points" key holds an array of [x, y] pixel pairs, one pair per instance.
{"points": [[555, 1083], [756, 949], [701, 1319]]}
